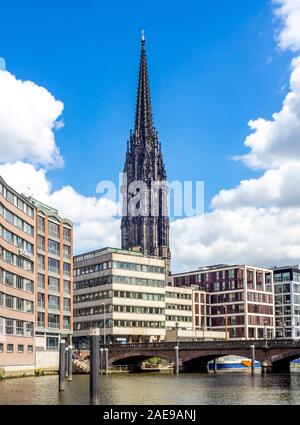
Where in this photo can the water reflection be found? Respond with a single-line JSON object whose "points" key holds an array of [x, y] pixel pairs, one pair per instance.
{"points": [[220, 388]]}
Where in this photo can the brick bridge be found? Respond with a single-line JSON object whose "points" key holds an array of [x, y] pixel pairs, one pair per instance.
{"points": [[274, 355]]}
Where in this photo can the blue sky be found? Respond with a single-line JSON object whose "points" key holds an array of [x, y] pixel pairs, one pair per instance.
{"points": [[213, 66]]}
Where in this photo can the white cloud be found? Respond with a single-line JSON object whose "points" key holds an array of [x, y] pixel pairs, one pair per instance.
{"points": [[276, 188], [276, 141], [28, 117], [289, 34], [255, 236]]}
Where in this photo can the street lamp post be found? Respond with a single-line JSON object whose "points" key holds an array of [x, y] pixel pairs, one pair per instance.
{"points": [[104, 328], [226, 322], [283, 329], [265, 332]]}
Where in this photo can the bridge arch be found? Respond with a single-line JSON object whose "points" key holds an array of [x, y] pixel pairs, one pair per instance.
{"points": [[129, 358], [281, 362], [197, 361]]}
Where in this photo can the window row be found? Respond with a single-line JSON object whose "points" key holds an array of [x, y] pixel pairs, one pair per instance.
{"points": [[15, 281], [16, 260], [178, 296], [15, 327], [53, 284], [93, 324], [229, 309], [19, 348], [54, 247], [117, 265], [16, 200], [260, 309], [88, 311], [258, 297], [231, 297], [137, 281], [53, 302], [16, 240], [282, 277], [91, 283], [138, 324], [179, 318], [54, 229], [16, 221], [139, 296], [138, 310], [260, 321], [15, 303], [179, 307], [94, 296], [53, 321], [53, 265]]}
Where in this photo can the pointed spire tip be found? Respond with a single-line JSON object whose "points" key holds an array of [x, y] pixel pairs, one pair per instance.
{"points": [[143, 36]]}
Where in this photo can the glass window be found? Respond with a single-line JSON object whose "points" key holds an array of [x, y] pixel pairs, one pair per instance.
{"points": [[53, 284], [53, 247], [41, 262], [20, 348], [53, 229], [52, 343], [67, 269], [67, 251], [10, 348], [53, 265], [30, 348]]}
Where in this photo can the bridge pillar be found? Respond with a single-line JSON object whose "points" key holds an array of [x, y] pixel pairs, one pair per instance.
{"points": [[252, 359], [215, 366], [176, 369], [94, 365], [106, 360], [62, 364], [101, 361], [266, 367]]}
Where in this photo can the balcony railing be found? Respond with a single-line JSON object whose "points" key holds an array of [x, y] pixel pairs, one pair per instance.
{"points": [[53, 325]]}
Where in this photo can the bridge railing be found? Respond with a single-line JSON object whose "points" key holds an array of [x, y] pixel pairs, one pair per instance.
{"points": [[271, 343]]}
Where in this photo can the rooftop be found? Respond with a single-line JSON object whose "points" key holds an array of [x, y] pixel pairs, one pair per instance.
{"points": [[107, 250]]}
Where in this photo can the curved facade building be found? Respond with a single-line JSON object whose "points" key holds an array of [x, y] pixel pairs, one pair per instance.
{"points": [[17, 347]]}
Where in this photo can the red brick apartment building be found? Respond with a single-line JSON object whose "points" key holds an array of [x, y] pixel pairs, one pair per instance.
{"points": [[236, 299]]}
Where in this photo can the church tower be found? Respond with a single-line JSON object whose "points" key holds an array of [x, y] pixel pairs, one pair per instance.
{"points": [[145, 221]]}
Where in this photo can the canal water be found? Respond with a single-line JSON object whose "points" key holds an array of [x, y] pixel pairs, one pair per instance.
{"points": [[221, 388]]}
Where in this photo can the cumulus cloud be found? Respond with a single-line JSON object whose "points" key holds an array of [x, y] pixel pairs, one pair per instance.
{"points": [[289, 13], [28, 116], [255, 236]]}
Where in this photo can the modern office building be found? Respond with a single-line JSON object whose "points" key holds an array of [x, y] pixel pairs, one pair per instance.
{"points": [[287, 301], [54, 283], [17, 248], [179, 308], [239, 299], [122, 293]]}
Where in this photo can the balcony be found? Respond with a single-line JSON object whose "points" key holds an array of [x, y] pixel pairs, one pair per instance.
{"points": [[53, 270], [53, 307], [53, 325]]}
